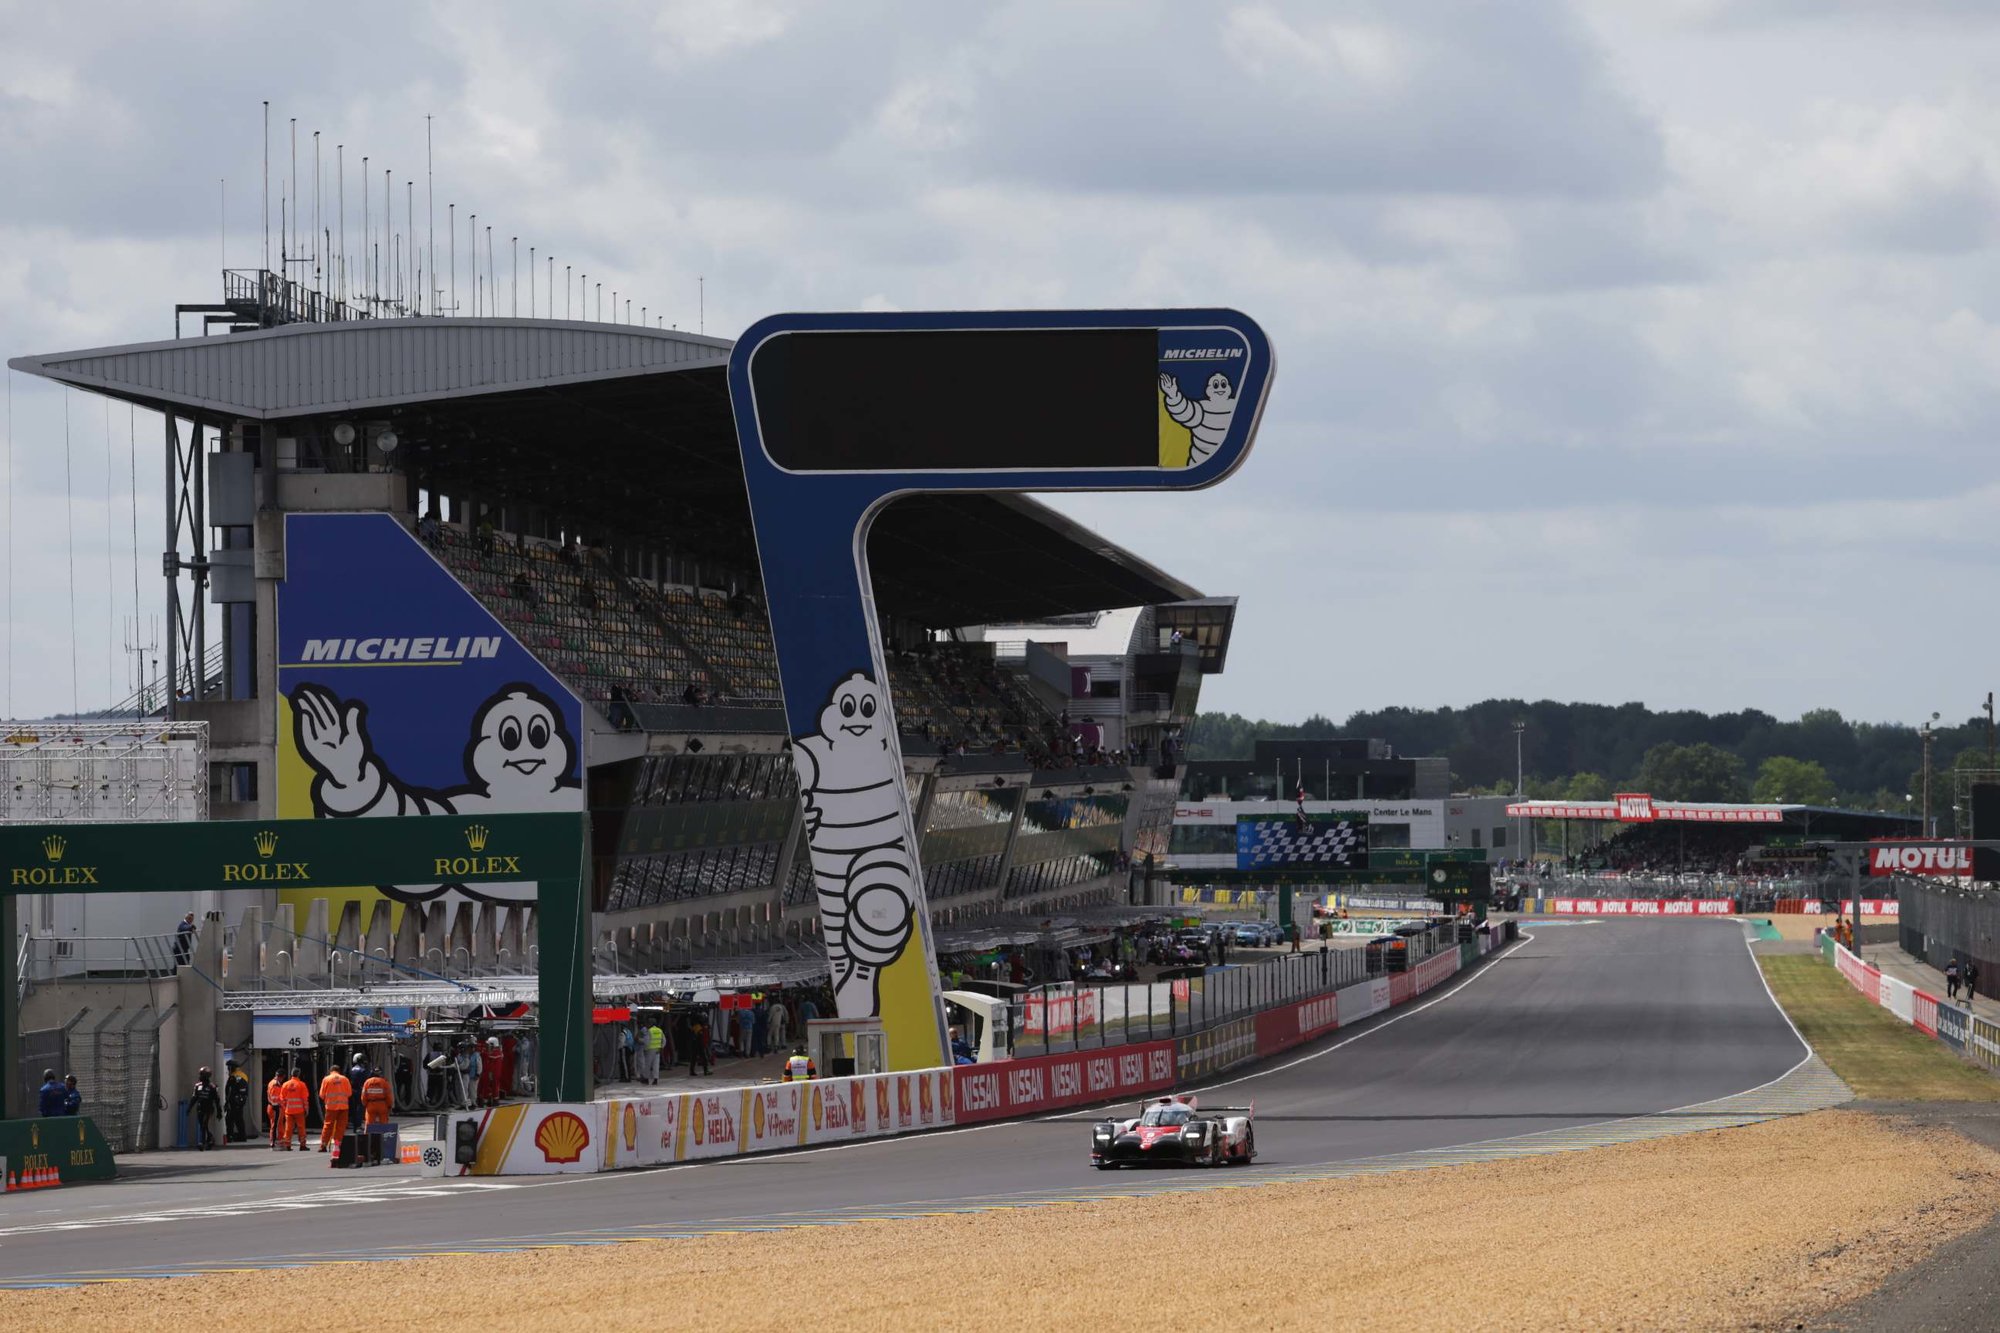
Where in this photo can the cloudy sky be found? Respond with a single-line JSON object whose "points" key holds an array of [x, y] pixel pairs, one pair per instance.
{"points": [[1628, 349]]}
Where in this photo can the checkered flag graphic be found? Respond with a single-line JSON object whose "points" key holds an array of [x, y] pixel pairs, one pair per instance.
{"points": [[1262, 843]]}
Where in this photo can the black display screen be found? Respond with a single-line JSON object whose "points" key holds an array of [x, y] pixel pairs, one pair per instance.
{"points": [[968, 400]]}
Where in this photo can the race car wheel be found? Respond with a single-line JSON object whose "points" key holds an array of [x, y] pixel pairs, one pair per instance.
{"points": [[1249, 1147]]}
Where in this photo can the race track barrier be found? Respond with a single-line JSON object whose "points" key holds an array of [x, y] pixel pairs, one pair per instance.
{"points": [[62, 1149], [617, 1133], [1967, 1033], [1630, 906], [1835, 907]]}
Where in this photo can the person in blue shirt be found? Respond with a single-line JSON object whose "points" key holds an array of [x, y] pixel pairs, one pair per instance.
{"points": [[52, 1094], [72, 1098]]}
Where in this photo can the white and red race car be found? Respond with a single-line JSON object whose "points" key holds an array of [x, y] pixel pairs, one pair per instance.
{"points": [[1175, 1131]]}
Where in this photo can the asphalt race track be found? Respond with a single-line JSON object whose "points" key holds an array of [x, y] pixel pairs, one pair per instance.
{"points": [[1580, 1024]]}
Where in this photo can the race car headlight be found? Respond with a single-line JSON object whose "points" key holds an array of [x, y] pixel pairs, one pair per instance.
{"points": [[1101, 1132], [1193, 1131]]}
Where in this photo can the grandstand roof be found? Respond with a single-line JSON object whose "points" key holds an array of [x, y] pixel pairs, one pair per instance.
{"points": [[624, 431]]}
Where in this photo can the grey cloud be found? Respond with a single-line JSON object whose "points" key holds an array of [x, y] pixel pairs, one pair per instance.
{"points": [[1487, 98]]}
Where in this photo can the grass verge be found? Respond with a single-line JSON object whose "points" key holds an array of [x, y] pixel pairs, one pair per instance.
{"points": [[1874, 1052]]}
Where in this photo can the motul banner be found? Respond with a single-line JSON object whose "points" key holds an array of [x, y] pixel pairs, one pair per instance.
{"points": [[1049, 1082], [1829, 907], [1896, 859], [1639, 906]]}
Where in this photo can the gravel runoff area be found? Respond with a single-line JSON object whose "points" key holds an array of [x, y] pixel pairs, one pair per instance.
{"points": [[1759, 1227], [1799, 926]]}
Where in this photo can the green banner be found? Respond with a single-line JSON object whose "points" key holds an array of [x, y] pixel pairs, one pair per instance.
{"points": [[69, 1144], [1417, 859], [545, 849], [289, 853]]}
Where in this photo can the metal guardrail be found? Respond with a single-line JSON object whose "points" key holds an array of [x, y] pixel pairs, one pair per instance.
{"points": [[50, 960]]}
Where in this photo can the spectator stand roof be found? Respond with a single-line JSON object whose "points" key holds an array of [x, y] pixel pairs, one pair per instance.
{"points": [[623, 431]]}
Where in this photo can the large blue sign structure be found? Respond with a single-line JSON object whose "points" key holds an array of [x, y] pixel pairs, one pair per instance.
{"points": [[839, 414], [399, 693]]}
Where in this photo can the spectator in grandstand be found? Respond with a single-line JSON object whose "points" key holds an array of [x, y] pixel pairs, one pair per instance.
{"points": [[523, 589], [587, 599], [427, 529], [484, 534]]}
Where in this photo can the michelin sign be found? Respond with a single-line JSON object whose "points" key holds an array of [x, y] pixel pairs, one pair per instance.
{"points": [[838, 415], [399, 694]]}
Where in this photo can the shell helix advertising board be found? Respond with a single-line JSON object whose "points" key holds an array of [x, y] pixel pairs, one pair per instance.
{"points": [[542, 1139]]}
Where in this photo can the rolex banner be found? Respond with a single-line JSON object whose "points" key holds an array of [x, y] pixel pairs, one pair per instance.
{"points": [[1290, 841]]}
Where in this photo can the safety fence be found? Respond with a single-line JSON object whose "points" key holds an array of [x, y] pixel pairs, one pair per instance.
{"points": [[1053, 1019], [1834, 906], [1957, 1027], [1945, 922], [616, 1133]]}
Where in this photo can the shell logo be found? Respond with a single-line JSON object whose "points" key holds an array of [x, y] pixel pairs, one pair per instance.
{"points": [[903, 1099], [700, 1122], [924, 1096], [882, 1101], [562, 1138], [819, 1111], [631, 1127], [757, 1116]]}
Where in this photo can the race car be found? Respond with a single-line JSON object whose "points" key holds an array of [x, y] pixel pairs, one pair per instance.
{"points": [[1173, 1130]]}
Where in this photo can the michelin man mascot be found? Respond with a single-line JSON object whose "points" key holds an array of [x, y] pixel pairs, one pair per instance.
{"points": [[518, 757], [850, 779], [1208, 420]]}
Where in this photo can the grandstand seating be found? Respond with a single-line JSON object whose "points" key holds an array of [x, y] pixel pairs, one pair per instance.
{"points": [[604, 631]]}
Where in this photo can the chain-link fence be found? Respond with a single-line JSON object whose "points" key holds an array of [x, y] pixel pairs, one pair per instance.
{"points": [[1939, 924]]}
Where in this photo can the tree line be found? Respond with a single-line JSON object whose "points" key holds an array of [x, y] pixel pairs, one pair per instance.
{"points": [[1588, 751]]}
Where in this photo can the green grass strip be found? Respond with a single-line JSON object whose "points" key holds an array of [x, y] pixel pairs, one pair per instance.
{"points": [[1874, 1052]]}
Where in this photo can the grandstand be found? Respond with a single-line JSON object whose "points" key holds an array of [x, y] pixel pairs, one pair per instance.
{"points": [[580, 484]]}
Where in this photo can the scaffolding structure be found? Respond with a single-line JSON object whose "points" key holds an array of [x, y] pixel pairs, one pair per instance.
{"points": [[141, 771]]}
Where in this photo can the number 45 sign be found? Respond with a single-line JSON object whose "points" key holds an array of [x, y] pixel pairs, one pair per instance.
{"points": [[836, 416]]}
